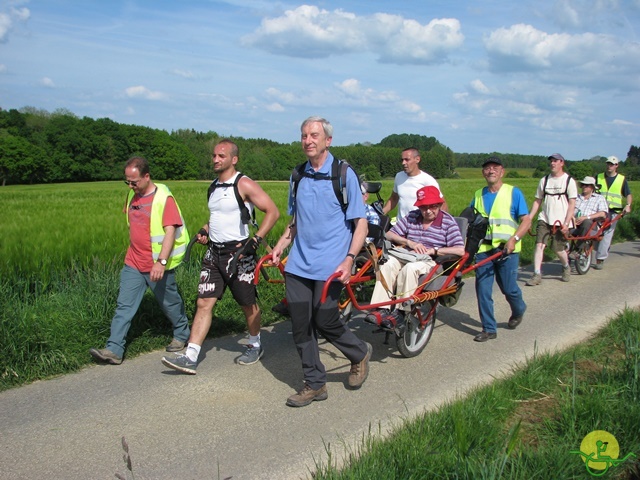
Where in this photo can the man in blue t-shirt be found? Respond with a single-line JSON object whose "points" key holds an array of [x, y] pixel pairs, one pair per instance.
{"points": [[509, 221], [325, 240]]}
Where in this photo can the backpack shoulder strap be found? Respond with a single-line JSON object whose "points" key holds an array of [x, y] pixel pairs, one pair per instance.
{"points": [[212, 187]]}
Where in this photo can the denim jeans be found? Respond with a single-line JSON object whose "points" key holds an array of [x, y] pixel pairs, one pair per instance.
{"points": [[133, 285], [505, 272]]}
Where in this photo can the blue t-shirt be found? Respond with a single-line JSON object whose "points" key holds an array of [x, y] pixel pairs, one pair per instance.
{"points": [[323, 230], [518, 202]]}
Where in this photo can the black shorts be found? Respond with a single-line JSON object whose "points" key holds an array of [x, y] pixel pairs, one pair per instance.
{"points": [[215, 275]]}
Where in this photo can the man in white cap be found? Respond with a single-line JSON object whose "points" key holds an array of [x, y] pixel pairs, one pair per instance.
{"points": [[590, 207], [615, 189]]}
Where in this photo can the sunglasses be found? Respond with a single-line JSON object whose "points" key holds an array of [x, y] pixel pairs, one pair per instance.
{"points": [[131, 183], [431, 207]]}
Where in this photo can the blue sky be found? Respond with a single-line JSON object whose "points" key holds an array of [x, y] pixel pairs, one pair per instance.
{"points": [[529, 77]]}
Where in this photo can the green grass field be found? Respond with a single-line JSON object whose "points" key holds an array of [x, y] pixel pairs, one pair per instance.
{"points": [[62, 248]]}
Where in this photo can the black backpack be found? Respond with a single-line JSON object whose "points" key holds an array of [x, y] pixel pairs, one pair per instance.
{"points": [[476, 231], [245, 215], [338, 178]]}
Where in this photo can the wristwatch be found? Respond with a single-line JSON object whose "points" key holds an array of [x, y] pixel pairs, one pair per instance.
{"points": [[163, 262], [517, 238], [435, 251]]}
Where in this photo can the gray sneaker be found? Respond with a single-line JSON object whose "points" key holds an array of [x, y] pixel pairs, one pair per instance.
{"points": [[105, 355], [535, 279], [566, 273], [181, 363], [175, 345], [251, 355]]}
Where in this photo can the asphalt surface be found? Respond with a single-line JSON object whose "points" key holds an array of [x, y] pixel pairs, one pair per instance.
{"points": [[231, 420]]}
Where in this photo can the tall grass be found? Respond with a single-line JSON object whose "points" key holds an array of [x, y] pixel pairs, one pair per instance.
{"points": [[521, 427], [62, 248]]}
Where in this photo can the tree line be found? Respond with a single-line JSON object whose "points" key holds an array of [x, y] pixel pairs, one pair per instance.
{"points": [[37, 146]]}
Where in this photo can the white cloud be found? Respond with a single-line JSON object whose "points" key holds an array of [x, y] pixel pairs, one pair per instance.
{"points": [[182, 73], [3, 68], [598, 61], [47, 82], [310, 32], [140, 91], [8, 19], [275, 107]]}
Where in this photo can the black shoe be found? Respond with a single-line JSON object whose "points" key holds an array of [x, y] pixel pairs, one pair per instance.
{"points": [[514, 322], [281, 308], [375, 316], [390, 321], [484, 336]]}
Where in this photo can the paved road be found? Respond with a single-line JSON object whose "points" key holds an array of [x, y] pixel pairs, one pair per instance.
{"points": [[231, 420]]}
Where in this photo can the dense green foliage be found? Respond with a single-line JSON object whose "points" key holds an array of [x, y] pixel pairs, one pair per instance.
{"points": [[41, 147], [527, 426]]}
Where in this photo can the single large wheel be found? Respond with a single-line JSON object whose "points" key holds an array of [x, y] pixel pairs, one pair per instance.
{"points": [[583, 260], [410, 339]]}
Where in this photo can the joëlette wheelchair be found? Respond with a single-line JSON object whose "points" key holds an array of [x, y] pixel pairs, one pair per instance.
{"points": [[580, 247], [442, 285]]}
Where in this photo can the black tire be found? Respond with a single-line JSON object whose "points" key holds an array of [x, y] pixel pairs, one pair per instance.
{"points": [[583, 260], [410, 340]]}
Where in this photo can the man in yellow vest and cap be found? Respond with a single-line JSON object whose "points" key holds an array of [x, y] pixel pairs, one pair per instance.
{"points": [[615, 189], [509, 221], [158, 239]]}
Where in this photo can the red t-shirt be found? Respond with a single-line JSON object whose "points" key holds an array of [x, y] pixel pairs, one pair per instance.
{"points": [[139, 255]]}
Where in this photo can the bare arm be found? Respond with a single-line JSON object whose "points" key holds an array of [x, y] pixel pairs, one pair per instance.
{"points": [[357, 240], [627, 207], [284, 241], [521, 231], [157, 271], [252, 192], [391, 203]]}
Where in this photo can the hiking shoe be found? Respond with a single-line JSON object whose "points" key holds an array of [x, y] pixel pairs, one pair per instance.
{"points": [[535, 279], [281, 308], [105, 355], [307, 395], [566, 273], [181, 363], [175, 345], [251, 355], [598, 265], [484, 336], [360, 371]]}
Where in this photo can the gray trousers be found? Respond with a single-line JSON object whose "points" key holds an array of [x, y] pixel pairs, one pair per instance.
{"points": [[309, 318]]}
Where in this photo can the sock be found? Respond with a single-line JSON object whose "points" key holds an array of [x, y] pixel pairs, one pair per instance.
{"points": [[193, 352], [254, 340], [565, 266], [537, 272]]}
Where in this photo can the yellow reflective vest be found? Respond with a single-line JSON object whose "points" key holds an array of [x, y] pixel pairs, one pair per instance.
{"points": [[501, 225], [157, 229], [612, 194]]}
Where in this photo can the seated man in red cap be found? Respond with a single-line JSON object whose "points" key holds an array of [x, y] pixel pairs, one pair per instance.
{"points": [[428, 232]]}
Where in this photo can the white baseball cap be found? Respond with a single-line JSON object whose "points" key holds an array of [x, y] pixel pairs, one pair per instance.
{"points": [[613, 159]]}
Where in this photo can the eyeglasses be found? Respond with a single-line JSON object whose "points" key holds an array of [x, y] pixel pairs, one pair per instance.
{"points": [[492, 167], [131, 184], [435, 206]]}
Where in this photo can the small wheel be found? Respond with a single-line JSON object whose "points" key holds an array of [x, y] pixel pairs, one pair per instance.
{"points": [[583, 261], [345, 313], [411, 340]]}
